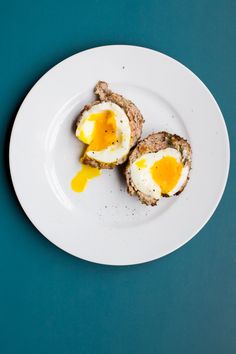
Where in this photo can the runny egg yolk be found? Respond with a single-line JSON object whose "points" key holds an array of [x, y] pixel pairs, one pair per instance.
{"points": [[166, 173], [104, 131], [79, 182]]}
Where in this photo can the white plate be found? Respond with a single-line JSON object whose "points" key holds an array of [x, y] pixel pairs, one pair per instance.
{"points": [[104, 224]]}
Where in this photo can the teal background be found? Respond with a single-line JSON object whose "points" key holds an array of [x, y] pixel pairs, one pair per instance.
{"points": [[51, 302]]}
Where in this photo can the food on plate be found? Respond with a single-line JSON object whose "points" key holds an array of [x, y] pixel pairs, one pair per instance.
{"points": [[109, 127], [158, 166], [80, 181]]}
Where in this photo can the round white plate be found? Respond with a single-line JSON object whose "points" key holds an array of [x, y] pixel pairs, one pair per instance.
{"points": [[104, 224]]}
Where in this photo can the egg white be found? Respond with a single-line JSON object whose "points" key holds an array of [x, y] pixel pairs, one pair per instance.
{"points": [[116, 151], [142, 177]]}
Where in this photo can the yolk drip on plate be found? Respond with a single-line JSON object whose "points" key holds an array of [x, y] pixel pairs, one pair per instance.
{"points": [[166, 173], [79, 182], [103, 133]]}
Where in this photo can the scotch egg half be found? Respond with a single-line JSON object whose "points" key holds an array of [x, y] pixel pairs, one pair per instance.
{"points": [[158, 166], [109, 128], [105, 129]]}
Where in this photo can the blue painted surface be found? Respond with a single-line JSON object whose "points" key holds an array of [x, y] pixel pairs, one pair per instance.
{"points": [[51, 302]]}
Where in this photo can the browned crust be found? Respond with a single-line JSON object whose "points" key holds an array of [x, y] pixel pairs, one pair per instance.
{"points": [[86, 160], [153, 143], [134, 115]]}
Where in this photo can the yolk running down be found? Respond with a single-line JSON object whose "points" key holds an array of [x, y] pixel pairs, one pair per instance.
{"points": [[79, 182], [104, 132], [166, 173]]}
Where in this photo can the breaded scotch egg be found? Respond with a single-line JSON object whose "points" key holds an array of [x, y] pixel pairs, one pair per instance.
{"points": [[109, 127], [158, 166]]}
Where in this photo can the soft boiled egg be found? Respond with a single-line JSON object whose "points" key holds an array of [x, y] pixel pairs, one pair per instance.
{"points": [[159, 173], [105, 128]]}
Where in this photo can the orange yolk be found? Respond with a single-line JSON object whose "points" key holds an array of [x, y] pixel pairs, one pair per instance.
{"points": [[80, 181], [104, 132], [166, 173]]}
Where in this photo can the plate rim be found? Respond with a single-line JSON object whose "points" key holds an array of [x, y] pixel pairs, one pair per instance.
{"points": [[227, 156]]}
